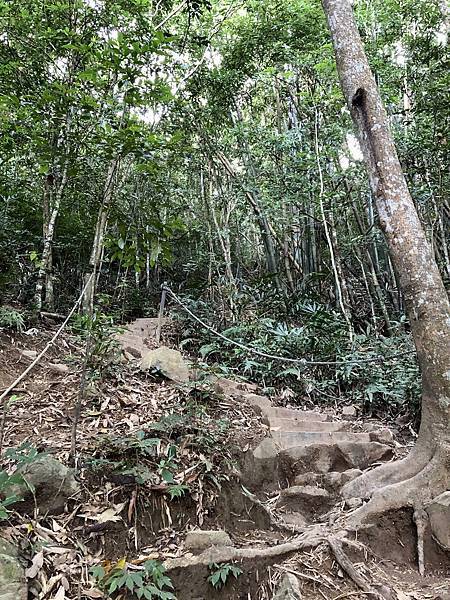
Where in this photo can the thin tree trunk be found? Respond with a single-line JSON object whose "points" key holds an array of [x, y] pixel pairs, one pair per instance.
{"points": [[50, 213], [100, 229], [427, 304]]}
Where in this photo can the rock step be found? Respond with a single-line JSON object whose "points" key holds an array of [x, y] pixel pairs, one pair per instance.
{"points": [[337, 457], [270, 413], [293, 439], [308, 425]]}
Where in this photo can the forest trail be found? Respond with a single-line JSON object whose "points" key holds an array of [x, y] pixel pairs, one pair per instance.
{"points": [[258, 474]]}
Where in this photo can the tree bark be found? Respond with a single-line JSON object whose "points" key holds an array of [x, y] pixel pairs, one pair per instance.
{"points": [[426, 300], [97, 244]]}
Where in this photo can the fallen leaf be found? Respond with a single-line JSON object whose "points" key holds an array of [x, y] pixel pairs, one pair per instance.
{"points": [[60, 594], [36, 565]]}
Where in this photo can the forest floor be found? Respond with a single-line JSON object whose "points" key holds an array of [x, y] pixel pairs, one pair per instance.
{"points": [[137, 501]]}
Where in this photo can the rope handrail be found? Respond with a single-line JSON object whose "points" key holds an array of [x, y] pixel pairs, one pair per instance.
{"points": [[49, 344], [285, 359]]}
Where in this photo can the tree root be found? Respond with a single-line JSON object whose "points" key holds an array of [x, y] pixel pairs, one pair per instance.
{"points": [[421, 520], [346, 565], [415, 492], [387, 474], [311, 538]]}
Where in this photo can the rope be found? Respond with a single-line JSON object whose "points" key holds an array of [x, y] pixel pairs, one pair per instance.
{"points": [[299, 361], [45, 350]]}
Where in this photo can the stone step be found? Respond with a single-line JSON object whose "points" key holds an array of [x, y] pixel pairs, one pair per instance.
{"points": [[296, 415], [328, 457], [295, 425], [292, 439]]}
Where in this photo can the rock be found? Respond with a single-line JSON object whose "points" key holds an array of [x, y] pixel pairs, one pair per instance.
{"points": [[362, 455], [353, 503], [199, 540], [261, 465], [168, 362], [288, 588], [292, 439], [258, 403], [336, 480], [294, 518], [307, 492], [309, 478], [53, 484], [349, 411], [59, 368], [235, 389], [340, 456], [308, 499], [383, 436], [13, 583], [439, 513], [29, 353]]}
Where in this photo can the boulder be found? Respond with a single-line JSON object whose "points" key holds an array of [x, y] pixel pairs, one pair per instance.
{"points": [[199, 539], [307, 499], [308, 478], [306, 492], [261, 464], [339, 456], [13, 583], [168, 362], [52, 484], [288, 588], [439, 513]]}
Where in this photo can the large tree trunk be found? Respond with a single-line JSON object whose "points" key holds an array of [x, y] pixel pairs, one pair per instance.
{"points": [[426, 471]]}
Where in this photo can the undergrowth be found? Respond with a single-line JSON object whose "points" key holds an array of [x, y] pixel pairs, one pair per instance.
{"points": [[379, 373], [183, 453]]}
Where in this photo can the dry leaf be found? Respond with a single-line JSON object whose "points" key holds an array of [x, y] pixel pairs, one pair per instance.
{"points": [[60, 594], [36, 565], [93, 593]]}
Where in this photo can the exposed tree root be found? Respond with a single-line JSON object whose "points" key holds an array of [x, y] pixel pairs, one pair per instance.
{"points": [[346, 565], [421, 520], [415, 492], [387, 474], [311, 538]]}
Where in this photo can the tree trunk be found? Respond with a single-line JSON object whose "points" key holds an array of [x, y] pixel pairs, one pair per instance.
{"points": [[426, 471], [50, 214], [97, 244]]}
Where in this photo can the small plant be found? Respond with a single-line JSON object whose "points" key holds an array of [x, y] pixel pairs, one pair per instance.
{"points": [[220, 573], [11, 319], [23, 455], [123, 579]]}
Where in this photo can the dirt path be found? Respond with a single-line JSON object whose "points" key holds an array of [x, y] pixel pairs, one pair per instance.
{"points": [[240, 463]]}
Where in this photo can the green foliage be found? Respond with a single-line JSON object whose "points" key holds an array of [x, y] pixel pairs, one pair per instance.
{"points": [[221, 572], [11, 318], [104, 348], [17, 457], [121, 579]]}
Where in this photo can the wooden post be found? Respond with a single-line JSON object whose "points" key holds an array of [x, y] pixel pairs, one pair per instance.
{"points": [[161, 313]]}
